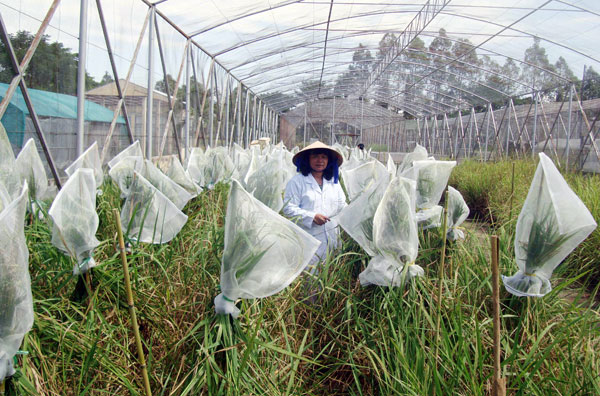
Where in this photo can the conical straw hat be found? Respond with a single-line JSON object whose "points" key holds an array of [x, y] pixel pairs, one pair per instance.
{"points": [[318, 145]]}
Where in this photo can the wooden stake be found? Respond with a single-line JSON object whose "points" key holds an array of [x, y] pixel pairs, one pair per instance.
{"points": [[134, 323], [499, 385], [2, 387], [441, 281]]}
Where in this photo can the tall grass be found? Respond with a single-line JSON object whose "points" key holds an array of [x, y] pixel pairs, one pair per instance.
{"points": [[351, 341]]}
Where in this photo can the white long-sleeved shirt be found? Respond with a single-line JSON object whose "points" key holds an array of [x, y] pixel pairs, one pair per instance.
{"points": [[304, 199]]}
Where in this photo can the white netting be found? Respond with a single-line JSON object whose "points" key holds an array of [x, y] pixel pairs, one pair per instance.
{"points": [[391, 165], [8, 177], [218, 167], [458, 211], [360, 178], [551, 224], [268, 182], [177, 194], [30, 168], [122, 172], [357, 218], [195, 166], [90, 159], [134, 150], [148, 215], [263, 252], [75, 219], [418, 154], [178, 174], [16, 315]]}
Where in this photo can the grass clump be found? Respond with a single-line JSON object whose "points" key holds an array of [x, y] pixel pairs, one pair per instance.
{"points": [[352, 341]]}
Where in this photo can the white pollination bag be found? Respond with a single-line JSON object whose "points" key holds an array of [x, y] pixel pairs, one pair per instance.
{"points": [[8, 176], [264, 252], [431, 177], [177, 194], [16, 312], [30, 168], [391, 165], [122, 172], [458, 211], [360, 178], [90, 159], [418, 154], [178, 174], [134, 150], [268, 182], [395, 237], [551, 224], [148, 215], [4, 197], [195, 166], [218, 167], [73, 212], [357, 218]]}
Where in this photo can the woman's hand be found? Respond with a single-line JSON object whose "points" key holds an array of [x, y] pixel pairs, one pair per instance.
{"points": [[320, 219]]}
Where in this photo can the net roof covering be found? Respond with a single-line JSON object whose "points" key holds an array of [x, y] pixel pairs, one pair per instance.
{"points": [[420, 57]]}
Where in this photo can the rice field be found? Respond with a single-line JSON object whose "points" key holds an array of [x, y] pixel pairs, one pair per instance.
{"points": [[350, 341]]}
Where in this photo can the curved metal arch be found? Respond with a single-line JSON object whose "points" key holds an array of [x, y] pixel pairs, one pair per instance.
{"points": [[302, 27], [530, 35], [197, 32]]}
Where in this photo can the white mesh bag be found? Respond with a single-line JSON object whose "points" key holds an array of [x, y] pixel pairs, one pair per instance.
{"points": [[395, 237], [218, 167], [90, 159], [360, 178], [418, 154], [177, 194], [391, 165], [195, 166], [177, 173], [30, 168], [551, 224], [431, 177], [148, 215], [268, 182], [73, 212], [4, 197], [264, 252], [357, 218], [122, 172], [458, 211], [134, 150], [16, 313], [8, 176]]}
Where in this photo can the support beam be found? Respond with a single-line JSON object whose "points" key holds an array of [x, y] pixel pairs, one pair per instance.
{"points": [[429, 11], [81, 60], [150, 95], [32, 114]]}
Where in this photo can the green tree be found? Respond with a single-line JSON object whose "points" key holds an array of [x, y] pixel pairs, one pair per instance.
{"points": [[533, 71], [562, 89], [591, 84], [52, 68]]}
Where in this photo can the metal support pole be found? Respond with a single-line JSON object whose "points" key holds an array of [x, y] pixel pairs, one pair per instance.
{"points": [[567, 146], [362, 104], [32, 114], [150, 97], [535, 118], [114, 69], [188, 79], [332, 121], [82, 56], [227, 109], [211, 114], [305, 117], [487, 131], [239, 115], [247, 115]]}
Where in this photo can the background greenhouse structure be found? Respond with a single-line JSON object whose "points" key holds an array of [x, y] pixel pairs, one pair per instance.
{"points": [[167, 131]]}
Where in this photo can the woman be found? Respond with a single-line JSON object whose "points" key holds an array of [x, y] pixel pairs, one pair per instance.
{"points": [[314, 195]]}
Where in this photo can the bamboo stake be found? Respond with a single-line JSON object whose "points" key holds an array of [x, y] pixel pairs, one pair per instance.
{"points": [[499, 386], [134, 323], [2, 387], [441, 281]]}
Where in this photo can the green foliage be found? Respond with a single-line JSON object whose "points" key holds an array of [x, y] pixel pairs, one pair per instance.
{"points": [[52, 68], [358, 341]]}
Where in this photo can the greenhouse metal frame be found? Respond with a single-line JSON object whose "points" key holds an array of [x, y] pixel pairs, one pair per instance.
{"points": [[261, 75]]}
